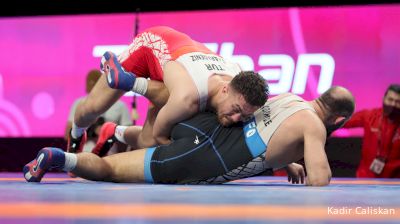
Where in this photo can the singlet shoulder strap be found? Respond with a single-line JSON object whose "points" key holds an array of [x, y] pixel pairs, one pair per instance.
{"points": [[273, 113]]}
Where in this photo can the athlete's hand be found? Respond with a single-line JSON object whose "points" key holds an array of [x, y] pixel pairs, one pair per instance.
{"points": [[295, 173]]}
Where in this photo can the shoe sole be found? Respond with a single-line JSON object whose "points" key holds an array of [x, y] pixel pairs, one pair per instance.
{"points": [[108, 60]]}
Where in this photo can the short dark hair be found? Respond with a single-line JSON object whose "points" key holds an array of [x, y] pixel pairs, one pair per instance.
{"points": [[337, 104], [393, 87], [94, 75], [252, 86]]}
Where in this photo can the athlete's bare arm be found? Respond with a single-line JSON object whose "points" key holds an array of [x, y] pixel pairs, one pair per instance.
{"points": [[99, 100], [182, 102], [316, 161]]}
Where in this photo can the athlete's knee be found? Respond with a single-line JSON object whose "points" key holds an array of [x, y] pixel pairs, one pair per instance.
{"points": [[92, 106], [152, 113]]}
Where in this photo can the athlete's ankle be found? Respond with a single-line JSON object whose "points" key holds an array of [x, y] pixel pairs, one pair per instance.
{"points": [[120, 132], [77, 132], [70, 161], [58, 158], [140, 86]]}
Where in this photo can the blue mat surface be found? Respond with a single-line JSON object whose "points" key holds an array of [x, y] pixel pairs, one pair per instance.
{"points": [[60, 199]]}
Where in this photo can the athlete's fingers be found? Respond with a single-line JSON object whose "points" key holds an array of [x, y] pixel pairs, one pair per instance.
{"points": [[302, 176], [294, 179]]}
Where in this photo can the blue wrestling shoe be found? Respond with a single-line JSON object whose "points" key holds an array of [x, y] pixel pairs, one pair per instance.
{"points": [[46, 158], [117, 77]]}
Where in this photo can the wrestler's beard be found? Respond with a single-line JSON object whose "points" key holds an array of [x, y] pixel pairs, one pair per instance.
{"points": [[393, 113], [224, 120], [332, 128]]}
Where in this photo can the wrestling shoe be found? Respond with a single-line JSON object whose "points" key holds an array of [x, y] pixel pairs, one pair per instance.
{"points": [[117, 77], [106, 139], [76, 145], [46, 159]]}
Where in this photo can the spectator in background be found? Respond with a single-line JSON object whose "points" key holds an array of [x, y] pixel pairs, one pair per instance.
{"points": [[381, 142], [118, 113]]}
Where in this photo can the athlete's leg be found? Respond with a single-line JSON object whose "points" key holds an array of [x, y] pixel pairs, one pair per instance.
{"points": [[144, 76], [100, 99], [143, 63], [157, 93], [135, 136], [121, 167], [140, 61]]}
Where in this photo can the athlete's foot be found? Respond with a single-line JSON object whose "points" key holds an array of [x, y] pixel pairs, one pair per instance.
{"points": [[76, 145], [106, 139], [46, 158], [117, 77]]}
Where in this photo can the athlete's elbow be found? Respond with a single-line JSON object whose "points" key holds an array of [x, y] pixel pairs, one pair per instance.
{"points": [[160, 137], [162, 140]]}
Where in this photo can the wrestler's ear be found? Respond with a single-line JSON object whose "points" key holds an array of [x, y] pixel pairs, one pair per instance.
{"points": [[225, 88], [340, 119]]}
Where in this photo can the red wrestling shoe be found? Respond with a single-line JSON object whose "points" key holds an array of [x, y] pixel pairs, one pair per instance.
{"points": [[106, 139]]}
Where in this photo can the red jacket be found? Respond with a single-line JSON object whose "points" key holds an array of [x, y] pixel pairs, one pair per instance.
{"points": [[375, 124]]}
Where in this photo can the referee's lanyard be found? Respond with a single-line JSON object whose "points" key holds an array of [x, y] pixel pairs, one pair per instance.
{"points": [[381, 151]]}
